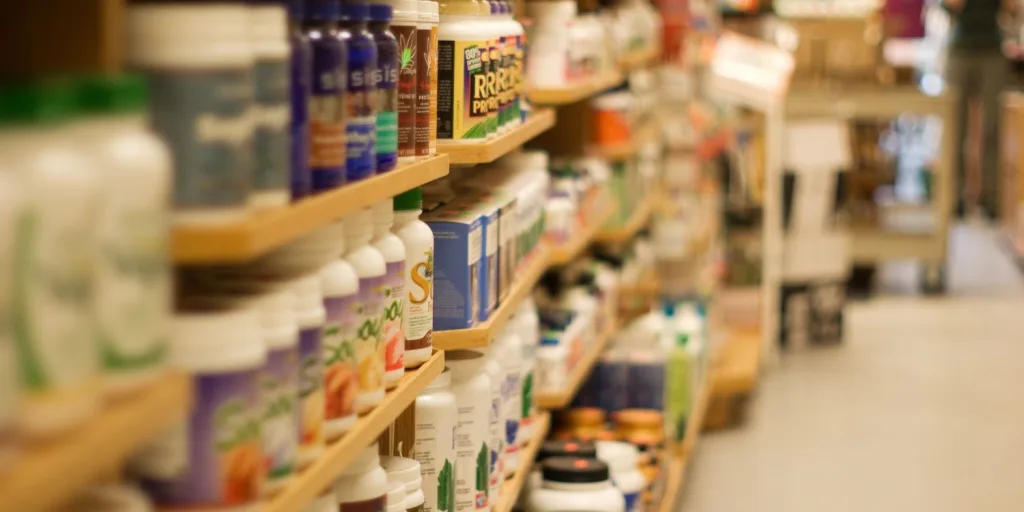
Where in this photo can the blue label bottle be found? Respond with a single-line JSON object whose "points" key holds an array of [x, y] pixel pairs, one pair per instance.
{"points": [[360, 131], [387, 87], [327, 113], [301, 78]]}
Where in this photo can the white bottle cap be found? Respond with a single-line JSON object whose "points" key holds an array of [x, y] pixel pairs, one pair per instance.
{"points": [[384, 214], [309, 301], [428, 11], [221, 340], [404, 470], [404, 12], [358, 228], [277, 317]]}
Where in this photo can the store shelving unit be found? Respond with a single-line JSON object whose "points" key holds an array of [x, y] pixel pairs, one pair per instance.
{"points": [[628, 149], [510, 489], [639, 59], [564, 253], [316, 478], [560, 399], [576, 91], [538, 122], [679, 461], [253, 237], [48, 474], [637, 221]]}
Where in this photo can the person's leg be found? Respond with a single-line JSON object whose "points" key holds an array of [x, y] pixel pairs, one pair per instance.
{"points": [[994, 76], [959, 76]]}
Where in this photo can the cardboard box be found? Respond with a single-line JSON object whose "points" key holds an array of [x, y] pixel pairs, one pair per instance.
{"points": [[458, 256]]}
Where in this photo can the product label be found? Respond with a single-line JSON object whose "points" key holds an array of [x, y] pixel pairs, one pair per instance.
{"points": [[327, 116], [475, 249], [386, 80], [423, 91], [511, 400], [203, 117], [394, 336], [224, 456], [508, 56], [433, 89], [271, 117], [494, 90], [300, 90], [516, 109], [279, 387], [462, 105], [418, 317], [435, 451], [527, 400], [407, 84], [632, 501], [497, 441], [504, 73], [340, 342], [311, 387], [378, 504], [361, 125], [491, 268], [370, 347]]}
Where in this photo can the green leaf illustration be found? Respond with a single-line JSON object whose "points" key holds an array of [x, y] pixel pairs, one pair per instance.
{"points": [[406, 57], [527, 398], [446, 487], [482, 478]]}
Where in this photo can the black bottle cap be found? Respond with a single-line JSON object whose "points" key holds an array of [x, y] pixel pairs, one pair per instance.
{"points": [[574, 470]]}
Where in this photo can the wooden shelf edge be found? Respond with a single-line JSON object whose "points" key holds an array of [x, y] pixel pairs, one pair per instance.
{"points": [[481, 335], [564, 253], [640, 58], [264, 232], [510, 489], [560, 399], [309, 484], [538, 122], [576, 91], [47, 475], [640, 217]]}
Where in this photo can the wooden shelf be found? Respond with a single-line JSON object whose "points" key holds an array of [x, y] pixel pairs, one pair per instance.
{"points": [[483, 152], [510, 489], [637, 221], [263, 232], [47, 475], [560, 399], [313, 480], [481, 335], [736, 370], [639, 59], [564, 253], [579, 90]]}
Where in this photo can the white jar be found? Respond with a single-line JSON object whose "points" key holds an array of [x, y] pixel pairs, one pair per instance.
{"points": [[271, 106], [363, 484], [396, 495], [54, 326], [549, 36], [393, 251], [622, 463], [310, 316], [549, 449], [199, 59], [406, 471], [372, 271], [436, 420], [575, 485], [341, 383], [110, 498], [528, 326], [418, 309], [511, 349], [221, 443], [279, 385], [132, 274], [472, 389], [496, 423]]}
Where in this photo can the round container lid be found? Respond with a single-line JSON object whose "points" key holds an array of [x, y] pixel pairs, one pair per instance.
{"points": [[574, 470], [36, 103], [409, 200], [380, 12], [396, 492], [581, 449], [404, 470], [217, 340], [404, 11], [112, 94], [639, 418]]}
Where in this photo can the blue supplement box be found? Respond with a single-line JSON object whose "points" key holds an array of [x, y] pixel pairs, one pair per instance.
{"points": [[458, 247]]}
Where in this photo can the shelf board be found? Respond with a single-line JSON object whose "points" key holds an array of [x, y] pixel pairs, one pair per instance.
{"points": [[639, 59], [481, 335], [560, 399], [564, 253], [576, 91], [484, 152], [46, 475], [736, 370], [511, 488], [255, 236], [321, 474], [637, 221]]}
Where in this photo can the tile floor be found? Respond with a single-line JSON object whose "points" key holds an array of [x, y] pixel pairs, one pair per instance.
{"points": [[922, 409]]}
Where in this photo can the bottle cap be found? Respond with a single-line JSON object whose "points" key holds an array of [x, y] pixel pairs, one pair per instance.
{"points": [[355, 11], [112, 94], [45, 103], [411, 199], [380, 12], [574, 470]]}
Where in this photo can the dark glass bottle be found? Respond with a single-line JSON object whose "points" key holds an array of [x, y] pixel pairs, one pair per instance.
{"points": [[387, 87], [360, 129], [327, 113]]}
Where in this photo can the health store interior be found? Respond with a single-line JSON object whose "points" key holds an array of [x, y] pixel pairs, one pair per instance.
{"points": [[410, 255]]}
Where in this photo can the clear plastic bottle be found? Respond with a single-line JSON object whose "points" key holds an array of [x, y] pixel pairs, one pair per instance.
{"points": [[393, 251], [418, 310], [372, 271], [341, 384], [361, 124], [436, 420], [271, 112]]}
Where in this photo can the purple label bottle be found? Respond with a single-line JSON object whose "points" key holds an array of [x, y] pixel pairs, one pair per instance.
{"points": [[301, 78], [361, 124], [386, 80], [327, 111]]}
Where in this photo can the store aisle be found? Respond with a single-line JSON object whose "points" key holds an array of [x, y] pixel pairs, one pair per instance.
{"points": [[921, 409]]}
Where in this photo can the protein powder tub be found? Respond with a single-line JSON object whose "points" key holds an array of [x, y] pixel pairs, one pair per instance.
{"points": [[472, 389], [341, 383], [392, 332], [199, 64], [300, 87], [406, 471], [361, 125], [436, 420], [268, 35], [574, 484], [310, 316], [363, 485], [387, 87], [622, 459], [418, 308], [463, 55], [372, 271], [327, 108], [549, 449]]}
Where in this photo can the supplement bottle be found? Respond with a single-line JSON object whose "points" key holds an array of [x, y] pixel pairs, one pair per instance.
{"points": [[418, 310], [622, 463], [425, 28], [549, 449], [463, 55], [404, 23], [472, 389], [396, 495], [392, 329], [363, 484], [489, 17], [433, 19], [513, 40], [52, 323], [496, 422], [268, 35], [310, 316], [386, 81], [325, 503], [341, 386], [223, 453], [575, 485], [300, 88], [327, 107], [548, 65], [406, 471], [131, 271], [528, 326], [361, 100], [372, 271], [511, 349], [436, 424], [199, 64]]}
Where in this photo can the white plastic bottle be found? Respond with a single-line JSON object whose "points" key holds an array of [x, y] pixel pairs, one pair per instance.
{"points": [[279, 386], [53, 324], [341, 384], [436, 420], [472, 389], [372, 271], [406, 471], [528, 326], [622, 464], [573, 484], [310, 317], [271, 106], [511, 349], [363, 484], [496, 422], [393, 251], [418, 307], [131, 284]]}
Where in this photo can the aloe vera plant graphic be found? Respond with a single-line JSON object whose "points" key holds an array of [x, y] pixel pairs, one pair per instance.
{"points": [[482, 476], [446, 487], [407, 50]]}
